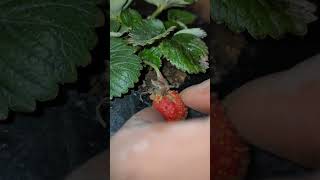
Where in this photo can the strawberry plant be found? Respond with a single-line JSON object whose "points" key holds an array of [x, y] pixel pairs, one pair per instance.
{"points": [[138, 42]]}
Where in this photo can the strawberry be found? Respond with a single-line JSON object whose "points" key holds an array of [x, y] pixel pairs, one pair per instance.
{"points": [[170, 105], [230, 154], [168, 102]]}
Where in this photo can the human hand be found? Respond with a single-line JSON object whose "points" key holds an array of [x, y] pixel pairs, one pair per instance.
{"points": [[280, 112], [146, 147]]}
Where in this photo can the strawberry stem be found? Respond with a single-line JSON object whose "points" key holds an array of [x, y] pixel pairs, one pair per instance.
{"points": [[182, 24], [160, 77], [157, 12]]}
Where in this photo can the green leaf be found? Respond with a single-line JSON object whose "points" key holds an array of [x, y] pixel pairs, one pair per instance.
{"points": [[41, 45], [263, 18], [114, 25], [130, 18], [148, 32], [120, 32], [183, 16], [194, 31], [170, 3], [117, 6], [168, 24], [117, 29], [125, 67], [152, 55], [187, 52]]}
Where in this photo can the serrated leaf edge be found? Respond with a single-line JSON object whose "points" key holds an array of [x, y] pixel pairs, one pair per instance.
{"points": [[152, 40]]}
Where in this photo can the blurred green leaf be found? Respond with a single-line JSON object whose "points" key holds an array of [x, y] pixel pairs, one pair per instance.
{"points": [[42, 44], [263, 18], [183, 16]]}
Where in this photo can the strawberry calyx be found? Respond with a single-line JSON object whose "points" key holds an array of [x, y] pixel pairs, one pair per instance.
{"points": [[161, 85]]}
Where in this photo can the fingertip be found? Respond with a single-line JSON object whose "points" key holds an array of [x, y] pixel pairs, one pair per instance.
{"points": [[197, 97], [203, 87]]}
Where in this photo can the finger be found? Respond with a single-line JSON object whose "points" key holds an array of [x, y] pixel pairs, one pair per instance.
{"points": [[197, 97], [280, 110], [143, 117]]}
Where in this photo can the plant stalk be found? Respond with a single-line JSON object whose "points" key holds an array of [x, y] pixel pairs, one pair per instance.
{"points": [[182, 25], [157, 12], [160, 77]]}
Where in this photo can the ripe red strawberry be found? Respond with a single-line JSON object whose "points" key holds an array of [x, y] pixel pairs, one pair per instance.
{"points": [[170, 105], [230, 154]]}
